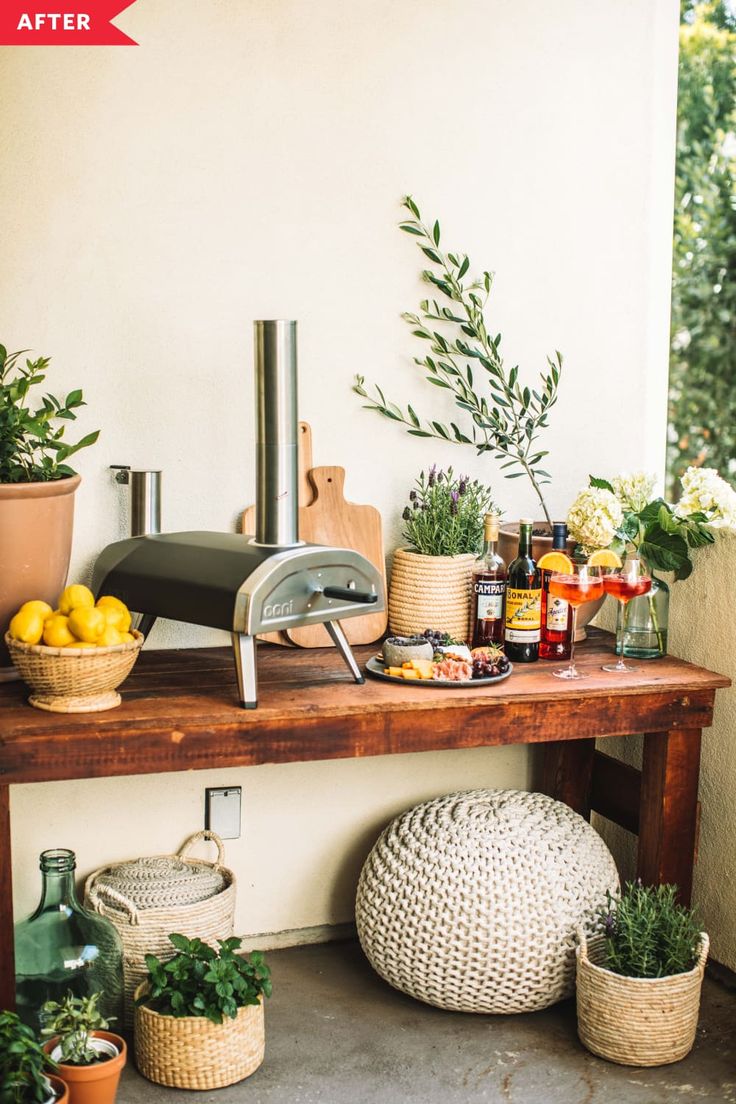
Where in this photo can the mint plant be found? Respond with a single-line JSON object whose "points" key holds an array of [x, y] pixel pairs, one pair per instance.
{"points": [[32, 448], [72, 1022], [202, 981], [648, 934], [23, 1064]]}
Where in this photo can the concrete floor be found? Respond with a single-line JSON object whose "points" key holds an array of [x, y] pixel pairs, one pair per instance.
{"points": [[336, 1034]]}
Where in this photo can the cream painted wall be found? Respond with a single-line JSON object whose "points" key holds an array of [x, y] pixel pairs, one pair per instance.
{"points": [[247, 160]]}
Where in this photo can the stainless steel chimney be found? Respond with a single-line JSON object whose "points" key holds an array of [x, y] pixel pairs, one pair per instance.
{"points": [[277, 517]]}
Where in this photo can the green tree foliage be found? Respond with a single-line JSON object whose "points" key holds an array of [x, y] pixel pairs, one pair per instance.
{"points": [[703, 356]]}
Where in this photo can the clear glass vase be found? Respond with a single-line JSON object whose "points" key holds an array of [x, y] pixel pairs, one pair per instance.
{"points": [[645, 634], [64, 948]]}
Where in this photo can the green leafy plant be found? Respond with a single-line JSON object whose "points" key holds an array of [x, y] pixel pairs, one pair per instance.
{"points": [[23, 1064], [500, 415], [32, 448], [72, 1023], [202, 981], [648, 934], [445, 514]]}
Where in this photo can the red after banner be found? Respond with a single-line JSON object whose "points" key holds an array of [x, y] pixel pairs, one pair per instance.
{"points": [[65, 23]]}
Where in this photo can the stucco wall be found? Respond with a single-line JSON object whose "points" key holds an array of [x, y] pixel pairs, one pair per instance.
{"points": [[247, 160]]}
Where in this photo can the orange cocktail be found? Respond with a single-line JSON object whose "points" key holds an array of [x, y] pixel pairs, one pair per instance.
{"points": [[580, 585]]}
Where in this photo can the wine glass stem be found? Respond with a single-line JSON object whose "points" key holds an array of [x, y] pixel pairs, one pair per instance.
{"points": [[620, 664], [573, 669]]}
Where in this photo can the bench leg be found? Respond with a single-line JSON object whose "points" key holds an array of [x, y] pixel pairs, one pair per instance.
{"points": [[7, 955], [668, 812], [567, 773]]}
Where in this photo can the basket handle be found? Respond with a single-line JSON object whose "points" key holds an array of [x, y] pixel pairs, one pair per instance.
{"points": [[204, 835], [101, 894], [703, 954], [582, 944]]}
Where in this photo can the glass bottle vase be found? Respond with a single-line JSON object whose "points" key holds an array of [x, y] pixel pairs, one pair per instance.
{"points": [[64, 948], [645, 635]]}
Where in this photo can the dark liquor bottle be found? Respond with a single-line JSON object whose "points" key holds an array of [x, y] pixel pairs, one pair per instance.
{"points": [[489, 590], [556, 612], [523, 601]]}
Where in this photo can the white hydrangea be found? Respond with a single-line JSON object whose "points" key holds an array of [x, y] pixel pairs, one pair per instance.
{"points": [[703, 491], [633, 490], [594, 517]]}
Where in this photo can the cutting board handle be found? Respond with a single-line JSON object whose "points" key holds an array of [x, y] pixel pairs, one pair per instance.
{"points": [[327, 483]]}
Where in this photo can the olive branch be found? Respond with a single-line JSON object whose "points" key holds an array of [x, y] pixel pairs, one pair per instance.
{"points": [[506, 421]]}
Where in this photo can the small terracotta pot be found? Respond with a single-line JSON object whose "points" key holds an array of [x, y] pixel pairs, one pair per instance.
{"points": [[36, 522], [96, 1084], [61, 1090]]}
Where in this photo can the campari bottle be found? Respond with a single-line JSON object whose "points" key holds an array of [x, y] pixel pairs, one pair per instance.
{"points": [[556, 612], [489, 590], [523, 601]]}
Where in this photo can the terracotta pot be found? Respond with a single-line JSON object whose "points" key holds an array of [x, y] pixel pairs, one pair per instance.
{"points": [[61, 1090], [36, 521], [508, 548], [430, 592], [98, 1083]]}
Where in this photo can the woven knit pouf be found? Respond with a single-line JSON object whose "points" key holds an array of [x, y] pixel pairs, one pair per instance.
{"points": [[470, 902]]}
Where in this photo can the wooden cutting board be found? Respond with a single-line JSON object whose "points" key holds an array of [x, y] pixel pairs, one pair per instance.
{"points": [[305, 492], [329, 519]]}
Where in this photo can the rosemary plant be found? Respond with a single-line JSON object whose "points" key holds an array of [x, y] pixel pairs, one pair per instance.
{"points": [[504, 417], [648, 934], [445, 514]]}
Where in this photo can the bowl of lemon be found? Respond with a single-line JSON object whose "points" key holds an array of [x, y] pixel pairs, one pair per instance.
{"points": [[74, 657]]}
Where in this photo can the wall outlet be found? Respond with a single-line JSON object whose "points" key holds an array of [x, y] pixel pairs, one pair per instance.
{"points": [[222, 811]]}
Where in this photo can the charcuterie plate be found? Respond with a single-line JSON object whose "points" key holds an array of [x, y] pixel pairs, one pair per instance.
{"points": [[375, 668]]}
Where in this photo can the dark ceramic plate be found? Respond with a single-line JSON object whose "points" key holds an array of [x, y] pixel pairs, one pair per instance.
{"points": [[374, 667]]}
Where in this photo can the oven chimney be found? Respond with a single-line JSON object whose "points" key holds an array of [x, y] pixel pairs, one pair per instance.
{"points": [[277, 518]]}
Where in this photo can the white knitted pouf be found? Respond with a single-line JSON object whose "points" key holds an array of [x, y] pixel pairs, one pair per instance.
{"points": [[471, 901]]}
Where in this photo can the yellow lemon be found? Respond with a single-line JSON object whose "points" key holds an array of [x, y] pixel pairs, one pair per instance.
{"points": [[109, 637], [75, 597], [87, 623], [37, 606], [555, 561], [27, 625], [81, 644], [115, 617], [128, 638], [109, 601], [604, 557], [56, 632]]}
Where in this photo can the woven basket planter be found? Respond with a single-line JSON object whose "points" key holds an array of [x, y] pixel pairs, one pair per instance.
{"points": [[159, 895], [430, 592], [191, 1052], [636, 1021], [74, 680]]}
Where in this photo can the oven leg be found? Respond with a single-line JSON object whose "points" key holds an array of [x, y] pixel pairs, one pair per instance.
{"points": [[334, 628], [244, 648]]}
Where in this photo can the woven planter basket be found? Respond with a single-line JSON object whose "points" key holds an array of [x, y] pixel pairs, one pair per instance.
{"points": [[430, 592], [191, 1052], [147, 899], [636, 1021], [74, 680]]}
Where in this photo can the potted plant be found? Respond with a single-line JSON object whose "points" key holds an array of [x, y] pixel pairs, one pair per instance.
{"points": [[199, 1017], [639, 980], [36, 486], [498, 413], [24, 1066], [443, 532], [90, 1059], [624, 514]]}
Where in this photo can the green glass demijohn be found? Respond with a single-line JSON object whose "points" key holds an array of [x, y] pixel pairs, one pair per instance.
{"points": [[645, 632], [64, 948]]}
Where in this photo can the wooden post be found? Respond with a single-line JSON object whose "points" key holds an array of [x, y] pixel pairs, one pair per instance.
{"points": [[7, 953], [567, 773], [668, 811]]}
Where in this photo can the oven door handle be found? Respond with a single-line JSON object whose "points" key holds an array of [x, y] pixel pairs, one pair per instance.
{"points": [[345, 594]]}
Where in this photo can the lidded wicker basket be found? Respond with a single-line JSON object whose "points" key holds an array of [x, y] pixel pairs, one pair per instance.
{"points": [[148, 898], [430, 592], [74, 680], [636, 1021], [191, 1052]]}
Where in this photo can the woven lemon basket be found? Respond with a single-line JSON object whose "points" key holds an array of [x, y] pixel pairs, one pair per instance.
{"points": [[191, 1052], [430, 592], [74, 680], [636, 1021], [471, 901], [148, 898]]}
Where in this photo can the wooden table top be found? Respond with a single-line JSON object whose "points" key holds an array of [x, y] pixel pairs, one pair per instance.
{"points": [[180, 711]]}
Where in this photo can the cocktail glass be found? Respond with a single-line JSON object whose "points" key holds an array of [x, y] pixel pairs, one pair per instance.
{"points": [[631, 581], [582, 584]]}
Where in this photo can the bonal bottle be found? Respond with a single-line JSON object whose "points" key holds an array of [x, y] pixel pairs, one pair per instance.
{"points": [[523, 601], [63, 948], [489, 590], [556, 612]]}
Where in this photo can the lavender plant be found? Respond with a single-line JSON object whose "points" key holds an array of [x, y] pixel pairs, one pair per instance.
{"points": [[445, 514], [648, 934]]}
